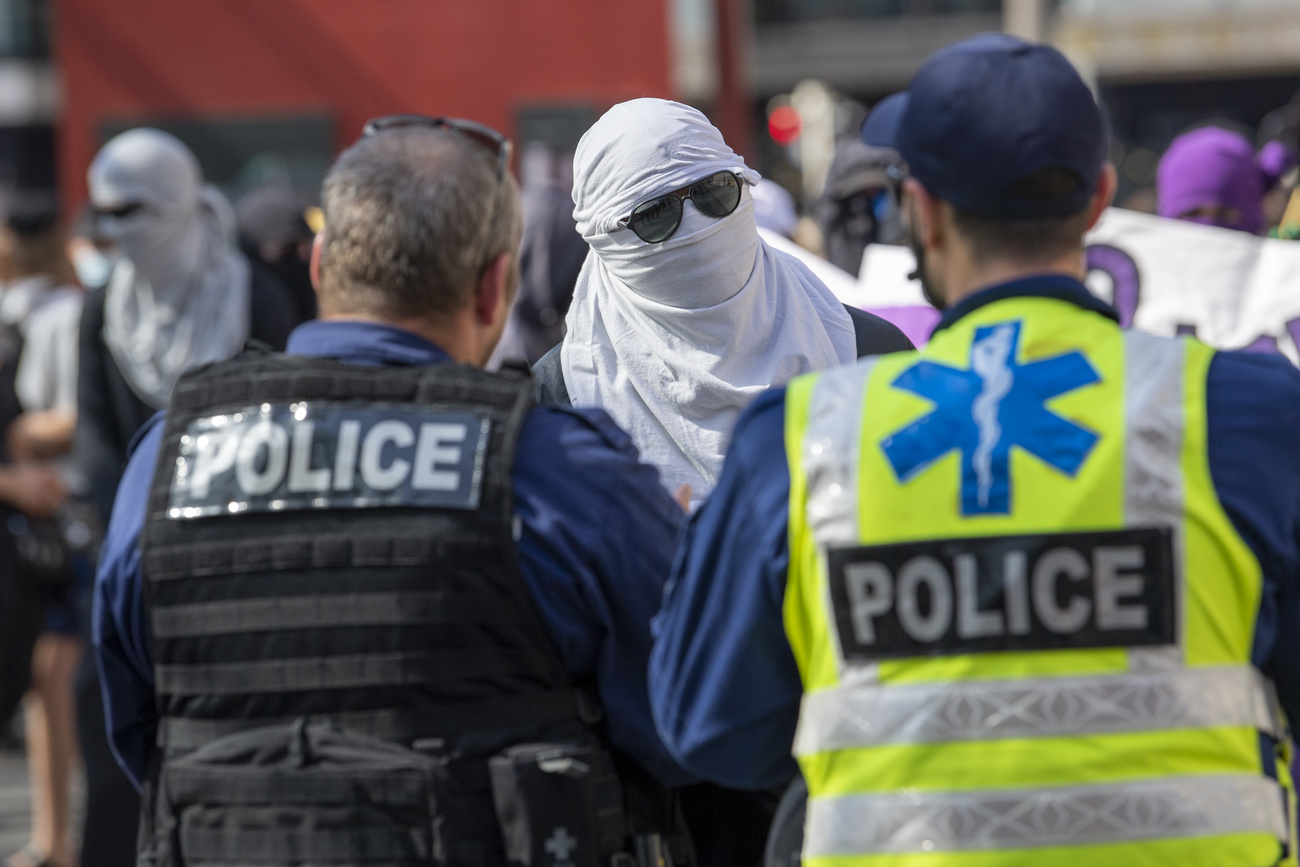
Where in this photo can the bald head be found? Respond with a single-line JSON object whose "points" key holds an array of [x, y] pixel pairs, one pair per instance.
{"points": [[406, 224]]}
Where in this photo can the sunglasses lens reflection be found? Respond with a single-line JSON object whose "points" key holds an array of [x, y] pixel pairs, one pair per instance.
{"points": [[717, 195], [657, 219]]}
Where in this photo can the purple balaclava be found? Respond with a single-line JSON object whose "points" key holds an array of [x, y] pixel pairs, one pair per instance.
{"points": [[1214, 168]]}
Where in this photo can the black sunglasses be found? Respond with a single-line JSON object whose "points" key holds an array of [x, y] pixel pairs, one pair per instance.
{"points": [[656, 220], [484, 135], [121, 212]]}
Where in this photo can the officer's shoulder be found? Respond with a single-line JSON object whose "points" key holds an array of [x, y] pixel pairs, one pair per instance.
{"points": [[567, 427], [1263, 380], [153, 426], [768, 408], [760, 429]]}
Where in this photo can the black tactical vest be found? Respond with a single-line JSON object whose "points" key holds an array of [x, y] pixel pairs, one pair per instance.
{"points": [[333, 545]]}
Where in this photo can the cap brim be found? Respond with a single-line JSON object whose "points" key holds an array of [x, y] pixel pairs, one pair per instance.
{"points": [[880, 129]]}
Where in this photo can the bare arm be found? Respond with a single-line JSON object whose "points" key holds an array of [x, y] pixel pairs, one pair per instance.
{"points": [[42, 435]]}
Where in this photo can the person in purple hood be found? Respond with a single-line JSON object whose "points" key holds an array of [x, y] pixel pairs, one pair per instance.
{"points": [[1214, 177]]}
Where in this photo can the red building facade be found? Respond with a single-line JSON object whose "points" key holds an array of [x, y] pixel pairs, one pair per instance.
{"points": [[237, 78]]}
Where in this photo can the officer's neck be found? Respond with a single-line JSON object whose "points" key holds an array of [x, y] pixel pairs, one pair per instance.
{"points": [[456, 334], [961, 274]]}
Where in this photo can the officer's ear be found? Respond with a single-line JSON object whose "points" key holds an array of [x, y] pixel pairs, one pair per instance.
{"points": [[923, 213], [313, 264], [1105, 194], [492, 301]]}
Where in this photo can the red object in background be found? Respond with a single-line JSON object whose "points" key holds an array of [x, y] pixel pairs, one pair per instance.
{"points": [[485, 59], [784, 124]]}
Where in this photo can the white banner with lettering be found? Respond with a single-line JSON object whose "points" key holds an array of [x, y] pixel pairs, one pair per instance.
{"points": [[1232, 290]]}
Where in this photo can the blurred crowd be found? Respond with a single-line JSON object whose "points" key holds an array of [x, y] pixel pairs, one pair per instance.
{"points": [[99, 318]]}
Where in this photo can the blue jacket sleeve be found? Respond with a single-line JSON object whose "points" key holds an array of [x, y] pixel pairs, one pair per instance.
{"points": [[724, 684], [596, 542], [118, 621], [1253, 406]]}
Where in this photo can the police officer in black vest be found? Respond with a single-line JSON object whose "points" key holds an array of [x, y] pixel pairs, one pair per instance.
{"points": [[362, 602]]}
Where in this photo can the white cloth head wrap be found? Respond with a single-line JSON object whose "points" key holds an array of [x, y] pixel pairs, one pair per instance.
{"points": [[673, 340], [179, 296]]}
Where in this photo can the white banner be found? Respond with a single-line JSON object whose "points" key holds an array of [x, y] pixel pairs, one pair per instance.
{"points": [[1232, 290]]}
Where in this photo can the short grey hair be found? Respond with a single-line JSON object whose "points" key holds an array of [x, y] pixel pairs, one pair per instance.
{"points": [[406, 223]]}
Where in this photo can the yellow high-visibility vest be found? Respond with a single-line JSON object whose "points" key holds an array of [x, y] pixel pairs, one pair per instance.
{"points": [[1022, 618]]}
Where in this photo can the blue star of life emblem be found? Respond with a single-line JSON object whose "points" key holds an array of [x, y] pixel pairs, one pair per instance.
{"points": [[984, 411]]}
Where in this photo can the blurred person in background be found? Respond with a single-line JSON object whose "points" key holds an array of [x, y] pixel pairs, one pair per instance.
{"points": [[40, 312], [550, 257], [91, 256], [112, 805], [179, 295], [774, 208], [1213, 176], [682, 313], [274, 235], [1283, 125], [857, 206]]}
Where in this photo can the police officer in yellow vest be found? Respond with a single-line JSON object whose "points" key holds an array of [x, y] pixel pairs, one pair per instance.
{"points": [[1030, 595]]}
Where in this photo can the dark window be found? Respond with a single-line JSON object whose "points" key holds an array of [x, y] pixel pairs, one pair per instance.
{"points": [[24, 28], [238, 154]]}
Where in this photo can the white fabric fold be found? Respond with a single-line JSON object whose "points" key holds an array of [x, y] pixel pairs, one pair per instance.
{"points": [[179, 296], [673, 340]]}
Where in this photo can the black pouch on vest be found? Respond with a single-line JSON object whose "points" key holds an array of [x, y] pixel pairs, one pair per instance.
{"points": [[302, 793], [558, 804]]}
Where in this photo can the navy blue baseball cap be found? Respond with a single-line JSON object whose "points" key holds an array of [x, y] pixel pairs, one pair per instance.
{"points": [[984, 114]]}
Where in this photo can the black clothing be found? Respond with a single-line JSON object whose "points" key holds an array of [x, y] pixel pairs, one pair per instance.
{"points": [[22, 604], [109, 412], [872, 336], [108, 834], [551, 254], [293, 272]]}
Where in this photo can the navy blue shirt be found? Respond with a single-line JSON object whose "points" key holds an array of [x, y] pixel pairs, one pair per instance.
{"points": [[598, 534], [723, 681]]}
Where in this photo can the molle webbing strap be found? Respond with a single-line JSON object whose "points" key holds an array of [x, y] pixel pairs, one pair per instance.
{"points": [[319, 673], [218, 558], [308, 845], [401, 725], [316, 612]]}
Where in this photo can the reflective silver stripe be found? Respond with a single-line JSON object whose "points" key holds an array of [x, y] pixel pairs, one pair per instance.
{"points": [[1066, 816], [831, 453], [865, 716], [1154, 383], [832, 446]]}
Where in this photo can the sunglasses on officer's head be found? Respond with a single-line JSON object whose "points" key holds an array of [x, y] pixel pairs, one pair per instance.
{"points": [[480, 133], [656, 220]]}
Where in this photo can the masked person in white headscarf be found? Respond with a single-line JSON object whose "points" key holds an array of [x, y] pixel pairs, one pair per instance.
{"points": [[682, 315], [179, 295]]}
